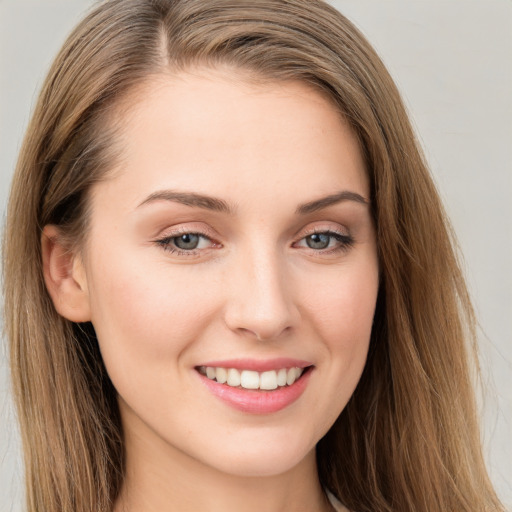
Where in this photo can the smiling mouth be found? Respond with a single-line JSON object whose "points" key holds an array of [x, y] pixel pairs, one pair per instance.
{"points": [[253, 380]]}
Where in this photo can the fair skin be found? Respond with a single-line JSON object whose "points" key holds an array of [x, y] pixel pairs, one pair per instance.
{"points": [[213, 242]]}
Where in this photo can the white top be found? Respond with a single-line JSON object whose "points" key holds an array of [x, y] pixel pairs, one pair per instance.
{"points": [[335, 502]]}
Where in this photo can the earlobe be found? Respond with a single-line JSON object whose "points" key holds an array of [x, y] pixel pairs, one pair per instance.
{"points": [[64, 276]]}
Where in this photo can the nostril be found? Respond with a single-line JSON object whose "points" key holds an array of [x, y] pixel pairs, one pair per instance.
{"points": [[259, 303], [267, 334]]}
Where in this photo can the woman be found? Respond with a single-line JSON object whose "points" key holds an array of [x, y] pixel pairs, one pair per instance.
{"points": [[229, 281]]}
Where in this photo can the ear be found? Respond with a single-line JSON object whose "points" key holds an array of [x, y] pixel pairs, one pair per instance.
{"points": [[64, 275]]}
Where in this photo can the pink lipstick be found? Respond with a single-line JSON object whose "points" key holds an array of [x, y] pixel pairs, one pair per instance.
{"points": [[256, 386]]}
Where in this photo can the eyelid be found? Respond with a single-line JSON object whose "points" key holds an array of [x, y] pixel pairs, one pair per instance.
{"points": [[323, 229], [164, 240], [344, 238], [182, 229]]}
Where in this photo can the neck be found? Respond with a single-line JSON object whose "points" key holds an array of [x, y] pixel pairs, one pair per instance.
{"points": [[161, 478]]}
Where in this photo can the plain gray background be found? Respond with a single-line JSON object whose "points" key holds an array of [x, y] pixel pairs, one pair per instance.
{"points": [[452, 60]]}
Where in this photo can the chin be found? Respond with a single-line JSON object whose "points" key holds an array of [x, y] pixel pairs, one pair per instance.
{"points": [[262, 459]]}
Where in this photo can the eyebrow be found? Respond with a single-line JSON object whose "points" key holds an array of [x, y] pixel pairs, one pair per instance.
{"points": [[190, 199], [324, 202], [219, 205]]}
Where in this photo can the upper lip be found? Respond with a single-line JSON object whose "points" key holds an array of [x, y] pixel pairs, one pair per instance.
{"points": [[259, 365]]}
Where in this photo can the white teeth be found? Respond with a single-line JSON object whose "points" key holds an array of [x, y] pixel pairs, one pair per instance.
{"points": [[291, 376], [222, 375], [249, 379], [233, 377], [268, 380], [281, 377]]}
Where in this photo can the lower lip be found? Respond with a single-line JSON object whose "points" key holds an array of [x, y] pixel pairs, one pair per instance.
{"points": [[255, 401]]}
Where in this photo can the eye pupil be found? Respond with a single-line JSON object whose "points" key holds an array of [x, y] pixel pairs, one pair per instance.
{"points": [[187, 241], [318, 241]]}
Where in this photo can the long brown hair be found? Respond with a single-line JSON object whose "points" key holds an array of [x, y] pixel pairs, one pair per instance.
{"points": [[408, 439]]}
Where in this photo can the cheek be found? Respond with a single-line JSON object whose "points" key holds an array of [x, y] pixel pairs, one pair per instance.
{"points": [[343, 308], [144, 312]]}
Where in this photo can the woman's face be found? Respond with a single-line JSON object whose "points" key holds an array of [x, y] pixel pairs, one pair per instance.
{"points": [[234, 241]]}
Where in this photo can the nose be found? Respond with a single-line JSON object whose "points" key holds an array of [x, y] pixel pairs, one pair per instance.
{"points": [[261, 299]]}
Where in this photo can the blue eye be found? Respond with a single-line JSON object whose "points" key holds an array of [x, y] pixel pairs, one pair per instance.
{"points": [[185, 243], [318, 241], [326, 240]]}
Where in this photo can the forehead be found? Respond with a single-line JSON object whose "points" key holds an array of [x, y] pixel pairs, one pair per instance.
{"points": [[209, 128]]}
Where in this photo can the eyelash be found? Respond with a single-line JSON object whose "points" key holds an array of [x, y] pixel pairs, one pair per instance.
{"points": [[345, 242], [166, 242]]}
